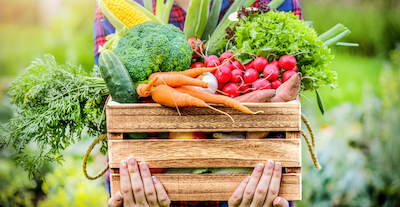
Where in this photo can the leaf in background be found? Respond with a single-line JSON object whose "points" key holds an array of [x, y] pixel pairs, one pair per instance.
{"points": [[212, 19], [145, 11], [347, 44], [265, 51], [320, 103]]}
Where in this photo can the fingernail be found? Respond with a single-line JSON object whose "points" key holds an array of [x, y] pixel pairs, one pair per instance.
{"points": [[276, 203], [247, 179], [120, 197], [260, 167], [123, 164], [143, 166], [277, 166], [270, 164], [155, 180], [131, 161]]}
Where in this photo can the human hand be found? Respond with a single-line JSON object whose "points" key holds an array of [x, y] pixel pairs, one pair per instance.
{"points": [[139, 188], [261, 188]]}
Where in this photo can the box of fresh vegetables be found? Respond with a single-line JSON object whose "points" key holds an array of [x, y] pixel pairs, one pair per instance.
{"points": [[201, 107]]}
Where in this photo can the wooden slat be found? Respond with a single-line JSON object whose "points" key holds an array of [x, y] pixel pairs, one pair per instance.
{"points": [[157, 118], [293, 135], [214, 187], [206, 153], [115, 136]]}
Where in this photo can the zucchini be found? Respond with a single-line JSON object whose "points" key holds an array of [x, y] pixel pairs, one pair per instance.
{"points": [[117, 78]]}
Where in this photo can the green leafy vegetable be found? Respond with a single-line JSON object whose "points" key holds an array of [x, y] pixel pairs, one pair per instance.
{"points": [[54, 105], [284, 33]]}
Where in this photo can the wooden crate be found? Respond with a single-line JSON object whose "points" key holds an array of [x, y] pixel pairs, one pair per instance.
{"points": [[164, 153]]}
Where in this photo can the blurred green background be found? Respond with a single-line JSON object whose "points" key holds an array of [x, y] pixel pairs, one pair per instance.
{"points": [[357, 138]]}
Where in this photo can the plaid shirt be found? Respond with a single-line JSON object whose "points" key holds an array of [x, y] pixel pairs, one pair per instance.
{"points": [[102, 27]]}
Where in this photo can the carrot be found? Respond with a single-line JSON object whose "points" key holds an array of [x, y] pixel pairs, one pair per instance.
{"points": [[289, 90], [176, 80], [168, 96], [144, 90], [217, 99], [257, 96]]}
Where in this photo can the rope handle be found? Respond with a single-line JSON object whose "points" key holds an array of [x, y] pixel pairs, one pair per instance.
{"points": [[86, 157]]}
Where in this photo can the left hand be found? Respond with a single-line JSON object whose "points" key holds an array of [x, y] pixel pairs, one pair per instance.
{"points": [[261, 188]]}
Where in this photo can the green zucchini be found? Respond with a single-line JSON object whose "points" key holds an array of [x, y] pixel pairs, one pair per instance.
{"points": [[117, 78]]}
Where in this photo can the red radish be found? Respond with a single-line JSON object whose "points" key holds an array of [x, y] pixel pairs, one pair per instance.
{"points": [[244, 88], [287, 75], [236, 76], [197, 65], [276, 83], [275, 62], [261, 84], [232, 89], [221, 85], [223, 74], [260, 63], [213, 63], [287, 62], [237, 65], [227, 64], [225, 55], [250, 75], [249, 65], [295, 68], [271, 72], [211, 57]]}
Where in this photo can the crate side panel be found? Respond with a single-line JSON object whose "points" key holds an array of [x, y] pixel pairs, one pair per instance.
{"points": [[188, 187], [206, 153]]}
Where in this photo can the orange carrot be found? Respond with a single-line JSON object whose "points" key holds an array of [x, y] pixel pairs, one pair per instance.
{"points": [[168, 96], [217, 99], [176, 80], [144, 90]]}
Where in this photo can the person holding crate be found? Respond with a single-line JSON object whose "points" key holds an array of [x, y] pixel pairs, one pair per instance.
{"points": [[139, 188]]}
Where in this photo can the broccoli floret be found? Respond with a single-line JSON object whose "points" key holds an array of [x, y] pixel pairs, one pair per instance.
{"points": [[152, 47]]}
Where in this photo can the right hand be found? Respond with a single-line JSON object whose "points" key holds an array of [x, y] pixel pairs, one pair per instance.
{"points": [[139, 188]]}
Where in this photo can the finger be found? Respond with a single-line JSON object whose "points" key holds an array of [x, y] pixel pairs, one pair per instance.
{"points": [[262, 187], [115, 200], [274, 186], [280, 202], [238, 194], [126, 187], [162, 196], [136, 182], [149, 190], [251, 186]]}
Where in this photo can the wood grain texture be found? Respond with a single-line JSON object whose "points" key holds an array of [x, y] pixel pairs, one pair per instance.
{"points": [[206, 152], [115, 136], [157, 118], [212, 187], [293, 135]]}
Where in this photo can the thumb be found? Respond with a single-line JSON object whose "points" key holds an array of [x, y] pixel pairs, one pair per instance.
{"points": [[115, 200], [280, 202]]}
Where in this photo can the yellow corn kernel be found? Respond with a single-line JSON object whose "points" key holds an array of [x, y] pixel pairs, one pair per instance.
{"points": [[126, 13]]}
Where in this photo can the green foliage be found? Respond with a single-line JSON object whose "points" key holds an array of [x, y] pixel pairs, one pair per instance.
{"points": [[54, 104], [16, 188], [67, 186], [283, 33], [360, 164], [152, 47]]}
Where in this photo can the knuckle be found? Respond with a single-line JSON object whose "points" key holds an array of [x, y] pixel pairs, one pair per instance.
{"points": [[267, 172], [164, 200], [277, 175], [261, 191], [137, 188], [125, 190], [109, 203], [150, 194], [273, 190]]}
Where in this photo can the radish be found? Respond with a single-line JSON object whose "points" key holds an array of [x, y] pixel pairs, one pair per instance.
{"points": [[250, 75], [271, 72], [260, 63], [232, 89], [225, 55], [295, 68], [221, 85], [275, 62], [223, 74], [236, 76], [287, 75], [287, 62], [213, 63], [211, 57], [227, 63], [261, 84], [237, 65], [244, 88], [249, 65], [276, 83], [197, 65]]}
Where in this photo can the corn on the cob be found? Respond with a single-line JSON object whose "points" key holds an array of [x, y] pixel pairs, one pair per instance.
{"points": [[126, 13]]}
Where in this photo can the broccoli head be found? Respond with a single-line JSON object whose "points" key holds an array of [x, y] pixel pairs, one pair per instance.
{"points": [[152, 47]]}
